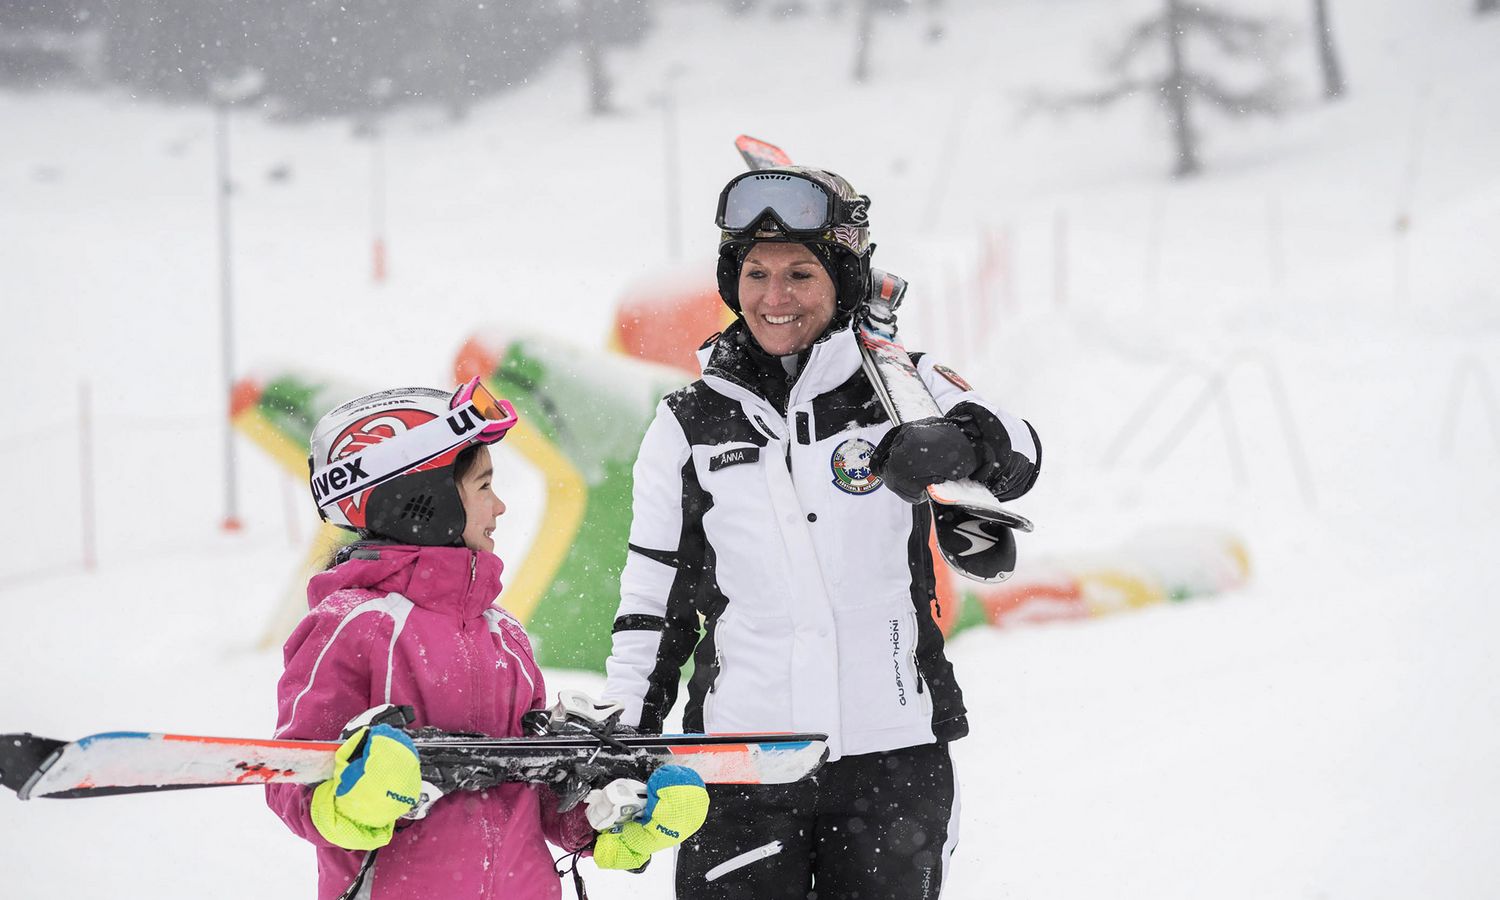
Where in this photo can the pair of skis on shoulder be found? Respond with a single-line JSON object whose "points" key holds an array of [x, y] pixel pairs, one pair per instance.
{"points": [[975, 533]]}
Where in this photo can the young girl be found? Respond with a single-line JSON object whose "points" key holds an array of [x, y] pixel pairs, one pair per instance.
{"points": [[407, 616]]}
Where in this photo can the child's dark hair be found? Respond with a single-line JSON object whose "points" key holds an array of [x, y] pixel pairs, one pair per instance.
{"points": [[465, 461]]}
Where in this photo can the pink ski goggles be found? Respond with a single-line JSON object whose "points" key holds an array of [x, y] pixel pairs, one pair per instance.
{"points": [[498, 415]]}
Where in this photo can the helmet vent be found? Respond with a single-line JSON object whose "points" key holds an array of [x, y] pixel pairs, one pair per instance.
{"points": [[419, 508]]}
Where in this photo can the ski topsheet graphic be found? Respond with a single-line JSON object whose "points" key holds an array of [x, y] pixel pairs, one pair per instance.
{"points": [[131, 762], [974, 531], [760, 155]]}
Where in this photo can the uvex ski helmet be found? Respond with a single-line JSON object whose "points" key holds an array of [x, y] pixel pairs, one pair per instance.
{"points": [[382, 464]]}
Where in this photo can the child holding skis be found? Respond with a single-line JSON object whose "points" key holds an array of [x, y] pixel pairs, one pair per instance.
{"points": [[407, 616]]}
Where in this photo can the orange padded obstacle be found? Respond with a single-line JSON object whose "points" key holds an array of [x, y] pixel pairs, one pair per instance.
{"points": [[666, 319]]}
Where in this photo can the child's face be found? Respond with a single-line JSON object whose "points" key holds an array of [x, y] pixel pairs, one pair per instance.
{"points": [[481, 506]]}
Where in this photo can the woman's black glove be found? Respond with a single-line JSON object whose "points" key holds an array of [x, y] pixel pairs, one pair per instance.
{"points": [[969, 442], [915, 454]]}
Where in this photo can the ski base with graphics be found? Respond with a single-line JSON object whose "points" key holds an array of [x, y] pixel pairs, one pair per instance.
{"points": [[133, 762]]}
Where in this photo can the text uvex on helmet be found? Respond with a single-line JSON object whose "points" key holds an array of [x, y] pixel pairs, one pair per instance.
{"points": [[382, 464], [794, 204]]}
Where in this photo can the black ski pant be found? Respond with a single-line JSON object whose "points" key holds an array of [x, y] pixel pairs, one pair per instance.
{"points": [[874, 827]]}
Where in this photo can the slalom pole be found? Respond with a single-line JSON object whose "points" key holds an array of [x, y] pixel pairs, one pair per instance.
{"points": [[377, 204], [226, 308]]}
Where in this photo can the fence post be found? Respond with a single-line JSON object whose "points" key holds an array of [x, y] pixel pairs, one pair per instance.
{"points": [[1405, 200], [1007, 271], [1469, 369], [86, 477], [1060, 259], [289, 499], [955, 309], [1275, 249], [1155, 217]]}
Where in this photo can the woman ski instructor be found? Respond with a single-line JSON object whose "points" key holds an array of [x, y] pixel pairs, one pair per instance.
{"points": [[774, 499]]}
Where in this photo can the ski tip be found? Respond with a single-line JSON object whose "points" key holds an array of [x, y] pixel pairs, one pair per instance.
{"points": [[759, 154], [21, 755], [951, 506]]}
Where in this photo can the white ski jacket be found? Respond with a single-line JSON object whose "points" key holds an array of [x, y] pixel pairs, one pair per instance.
{"points": [[814, 583]]}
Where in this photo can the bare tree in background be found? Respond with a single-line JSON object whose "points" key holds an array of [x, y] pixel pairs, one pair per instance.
{"points": [[1484, 6], [1180, 87], [935, 29], [591, 46], [1175, 89], [864, 36], [319, 57], [1333, 74], [865, 12], [600, 25]]}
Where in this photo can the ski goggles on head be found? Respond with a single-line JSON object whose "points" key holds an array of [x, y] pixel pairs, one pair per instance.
{"points": [[797, 203], [498, 415]]}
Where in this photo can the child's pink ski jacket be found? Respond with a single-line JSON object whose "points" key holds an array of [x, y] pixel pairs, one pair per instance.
{"points": [[419, 626]]}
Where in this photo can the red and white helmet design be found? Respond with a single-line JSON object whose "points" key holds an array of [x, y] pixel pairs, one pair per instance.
{"points": [[367, 453]]}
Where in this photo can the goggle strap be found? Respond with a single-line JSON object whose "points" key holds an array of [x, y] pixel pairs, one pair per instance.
{"points": [[854, 212], [379, 463]]}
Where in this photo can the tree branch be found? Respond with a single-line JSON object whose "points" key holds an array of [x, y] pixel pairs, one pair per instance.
{"points": [[1268, 99], [1143, 35], [1037, 101]]}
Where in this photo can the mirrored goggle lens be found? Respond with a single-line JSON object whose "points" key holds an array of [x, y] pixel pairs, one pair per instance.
{"points": [[498, 414], [800, 204]]}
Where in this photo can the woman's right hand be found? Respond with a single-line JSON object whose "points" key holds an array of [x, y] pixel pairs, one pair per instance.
{"points": [[377, 779], [914, 455]]}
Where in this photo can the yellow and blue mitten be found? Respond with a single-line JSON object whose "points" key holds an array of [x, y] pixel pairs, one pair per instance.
{"points": [[377, 779], [676, 805]]}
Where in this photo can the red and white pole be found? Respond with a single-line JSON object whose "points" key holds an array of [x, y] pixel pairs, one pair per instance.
{"points": [[377, 205]]}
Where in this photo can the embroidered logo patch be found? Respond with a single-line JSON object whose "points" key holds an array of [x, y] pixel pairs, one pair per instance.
{"points": [[851, 467], [953, 376]]}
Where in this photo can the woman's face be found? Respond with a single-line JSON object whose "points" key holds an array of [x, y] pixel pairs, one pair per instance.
{"points": [[786, 297], [481, 506]]}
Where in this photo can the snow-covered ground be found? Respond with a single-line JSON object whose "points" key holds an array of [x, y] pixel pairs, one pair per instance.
{"points": [[1329, 732]]}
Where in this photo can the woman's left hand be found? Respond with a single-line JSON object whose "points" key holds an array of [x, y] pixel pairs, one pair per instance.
{"points": [[675, 807]]}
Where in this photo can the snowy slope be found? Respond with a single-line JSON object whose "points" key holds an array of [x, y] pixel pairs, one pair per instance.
{"points": [[1328, 732]]}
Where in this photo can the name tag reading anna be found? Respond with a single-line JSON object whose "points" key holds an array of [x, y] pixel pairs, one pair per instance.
{"points": [[733, 458]]}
